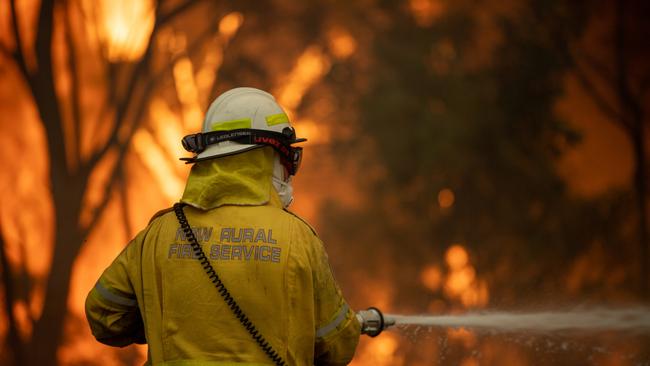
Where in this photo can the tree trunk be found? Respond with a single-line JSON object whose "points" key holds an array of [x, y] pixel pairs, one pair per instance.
{"points": [[640, 185], [67, 195], [632, 112], [49, 329]]}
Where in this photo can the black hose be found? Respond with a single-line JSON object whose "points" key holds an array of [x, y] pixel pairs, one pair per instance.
{"points": [[223, 291]]}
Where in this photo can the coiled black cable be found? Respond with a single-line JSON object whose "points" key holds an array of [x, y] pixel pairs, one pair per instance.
{"points": [[221, 288]]}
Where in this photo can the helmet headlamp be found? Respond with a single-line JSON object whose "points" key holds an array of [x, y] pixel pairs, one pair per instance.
{"points": [[291, 156]]}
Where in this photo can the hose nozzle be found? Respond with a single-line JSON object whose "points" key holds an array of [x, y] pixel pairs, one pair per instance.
{"points": [[373, 321]]}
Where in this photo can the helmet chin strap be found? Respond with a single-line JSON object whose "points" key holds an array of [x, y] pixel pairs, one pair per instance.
{"points": [[281, 184]]}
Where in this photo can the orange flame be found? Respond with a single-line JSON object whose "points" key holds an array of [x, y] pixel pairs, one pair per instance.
{"points": [[456, 257], [159, 165], [229, 24], [187, 92], [460, 283], [381, 351], [311, 66], [122, 27]]}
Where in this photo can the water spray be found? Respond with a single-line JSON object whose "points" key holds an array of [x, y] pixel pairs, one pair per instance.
{"points": [[552, 325], [631, 320]]}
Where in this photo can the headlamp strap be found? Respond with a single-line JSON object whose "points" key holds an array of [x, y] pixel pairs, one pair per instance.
{"points": [[277, 140], [281, 142]]}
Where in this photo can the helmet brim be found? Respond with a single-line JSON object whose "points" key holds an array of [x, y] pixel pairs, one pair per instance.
{"points": [[215, 151]]}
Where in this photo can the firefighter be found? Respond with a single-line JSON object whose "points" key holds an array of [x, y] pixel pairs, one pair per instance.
{"points": [[229, 276]]}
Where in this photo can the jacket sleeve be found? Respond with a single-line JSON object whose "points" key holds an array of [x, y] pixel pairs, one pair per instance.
{"points": [[111, 306], [337, 332]]}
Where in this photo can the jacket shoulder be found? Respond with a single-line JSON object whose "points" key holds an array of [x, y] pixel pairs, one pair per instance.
{"points": [[301, 220], [160, 213]]}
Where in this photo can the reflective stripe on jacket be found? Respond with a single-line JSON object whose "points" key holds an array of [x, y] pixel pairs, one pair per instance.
{"points": [[272, 263]]}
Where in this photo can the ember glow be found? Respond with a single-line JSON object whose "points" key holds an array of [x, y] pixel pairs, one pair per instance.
{"points": [[426, 12], [341, 42], [446, 198]]}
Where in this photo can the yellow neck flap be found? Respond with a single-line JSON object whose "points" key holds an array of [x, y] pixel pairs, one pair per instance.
{"points": [[242, 179]]}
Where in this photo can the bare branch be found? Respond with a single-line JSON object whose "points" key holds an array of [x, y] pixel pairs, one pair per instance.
{"points": [[18, 54], [124, 202], [628, 103], [598, 66], [163, 19], [111, 98], [122, 106], [43, 43], [44, 91], [97, 214], [75, 95], [603, 105], [644, 86], [9, 299], [138, 118], [142, 66]]}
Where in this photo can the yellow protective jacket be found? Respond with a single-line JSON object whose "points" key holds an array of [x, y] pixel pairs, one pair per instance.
{"points": [[270, 260]]}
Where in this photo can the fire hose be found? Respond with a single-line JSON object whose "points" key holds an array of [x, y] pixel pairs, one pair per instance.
{"points": [[373, 321]]}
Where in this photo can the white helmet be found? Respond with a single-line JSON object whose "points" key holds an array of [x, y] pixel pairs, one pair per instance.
{"points": [[242, 119]]}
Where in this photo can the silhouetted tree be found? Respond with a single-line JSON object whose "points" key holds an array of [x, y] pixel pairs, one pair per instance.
{"points": [[616, 76], [129, 87]]}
